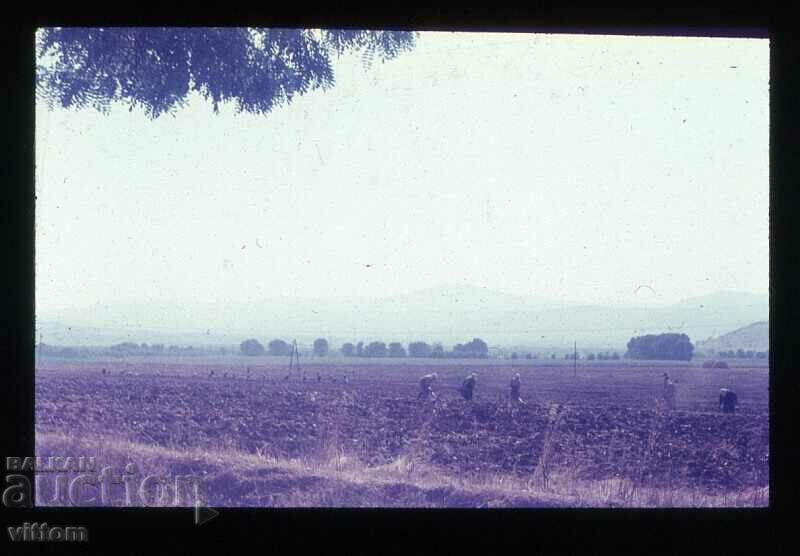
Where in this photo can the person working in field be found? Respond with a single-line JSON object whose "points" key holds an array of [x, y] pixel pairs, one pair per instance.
{"points": [[670, 389], [515, 386], [426, 387], [468, 387]]}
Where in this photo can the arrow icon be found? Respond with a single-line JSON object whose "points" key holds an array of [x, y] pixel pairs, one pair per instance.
{"points": [[201, 515]]}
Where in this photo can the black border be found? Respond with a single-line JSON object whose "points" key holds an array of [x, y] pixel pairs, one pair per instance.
{"points": [[490, 531]]}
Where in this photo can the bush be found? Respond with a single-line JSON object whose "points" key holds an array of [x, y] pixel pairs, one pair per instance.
{"points": [[477, 348], [251, 347], [348, 349], [375, 349], [321, 347], [669, 346], [278, 347], [396, 349], [720, 365], [708, 364], [419, 349]]}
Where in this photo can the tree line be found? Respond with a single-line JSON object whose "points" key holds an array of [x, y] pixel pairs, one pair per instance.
{"points": [[474, 349], [743, 354]]}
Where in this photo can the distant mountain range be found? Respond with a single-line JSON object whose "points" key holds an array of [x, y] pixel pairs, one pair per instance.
{"points": [[752, 337], [447, 314]]}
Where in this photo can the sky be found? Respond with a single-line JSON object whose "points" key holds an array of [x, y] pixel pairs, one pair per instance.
{"points": [[576, 168]]}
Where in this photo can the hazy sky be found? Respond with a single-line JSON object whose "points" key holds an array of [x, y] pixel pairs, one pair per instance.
{"points": [[570, 167]]}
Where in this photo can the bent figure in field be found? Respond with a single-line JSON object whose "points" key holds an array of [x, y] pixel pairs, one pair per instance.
{"points": [[104, 371], [468, 387], [426, 387], [319, 377], [670, 389], [727, 400], [515, 386]]}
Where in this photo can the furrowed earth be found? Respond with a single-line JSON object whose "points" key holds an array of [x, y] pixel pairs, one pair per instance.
{"points": [[605, 423]]}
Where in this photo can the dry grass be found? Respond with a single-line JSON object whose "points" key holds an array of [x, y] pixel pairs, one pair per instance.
{"points": [[335, 479]]}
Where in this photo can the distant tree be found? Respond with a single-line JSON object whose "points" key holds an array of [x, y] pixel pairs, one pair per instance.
{"points": [[396, 349], [750, 354], [514, 355], [437, 352], [615, 356], [528, 356], [348, 349], [552, 356], [669, 346], [740, 353], [761, 355], [251, 347], [419, 349], [375, 349], [320, 347], [591, 357], [477, 348], [157, 68], [278, 347], [360, 349]]}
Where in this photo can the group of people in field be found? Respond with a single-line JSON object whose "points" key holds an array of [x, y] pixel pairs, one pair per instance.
{"points": [[467, 388], [727, 397]]}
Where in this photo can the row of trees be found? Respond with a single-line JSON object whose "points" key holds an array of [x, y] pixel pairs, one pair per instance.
{"points": [[476, 348], [125, 349], [742, 354]]}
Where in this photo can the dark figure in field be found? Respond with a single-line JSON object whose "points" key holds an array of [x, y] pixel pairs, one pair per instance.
{"points": [[515, 386], [345, 379], [319, 377], [426, 387], [468, 387], [224, 375], [286, 377], [727, 400], [104, 371], [670, 389], [211, 374]]}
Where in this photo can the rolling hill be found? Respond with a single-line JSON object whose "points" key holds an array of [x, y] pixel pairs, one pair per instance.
{"points": [[751, 337], [446, 314]]}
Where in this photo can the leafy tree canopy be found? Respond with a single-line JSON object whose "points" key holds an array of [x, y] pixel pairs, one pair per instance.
{"points": [[156, 68]]}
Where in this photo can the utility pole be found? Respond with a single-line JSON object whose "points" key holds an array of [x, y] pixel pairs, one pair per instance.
{"points": [[294, 357], [575, 359]]}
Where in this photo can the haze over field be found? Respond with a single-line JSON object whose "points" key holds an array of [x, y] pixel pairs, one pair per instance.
{"points": [[607, 184], [448, 314]]}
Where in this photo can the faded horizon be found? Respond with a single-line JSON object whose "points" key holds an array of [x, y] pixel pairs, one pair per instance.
{"points": [[572, 168]]}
